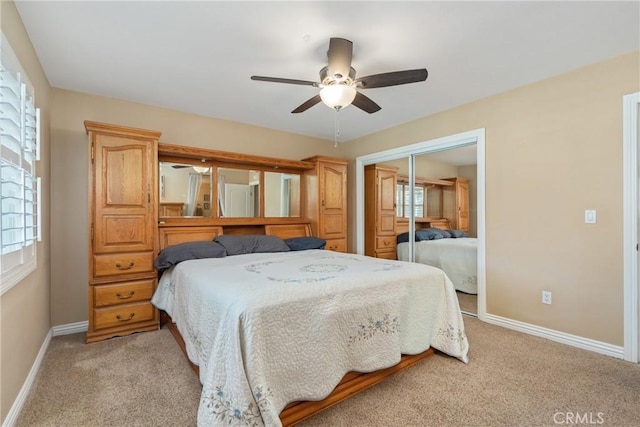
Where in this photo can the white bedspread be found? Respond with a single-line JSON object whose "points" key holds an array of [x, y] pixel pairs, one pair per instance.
{"points": [[457, 257], [268, 329]]}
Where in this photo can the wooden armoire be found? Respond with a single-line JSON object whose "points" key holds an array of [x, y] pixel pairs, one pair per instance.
{"points": [[122, 228], [326, 201], [455, 203], [380, 211]]}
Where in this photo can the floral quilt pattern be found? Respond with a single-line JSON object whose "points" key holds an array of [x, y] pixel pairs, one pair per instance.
{"points": [[268, 329]]}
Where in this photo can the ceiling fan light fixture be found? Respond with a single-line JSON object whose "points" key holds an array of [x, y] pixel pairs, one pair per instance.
{"points": [[338, 96], [200, 169]]}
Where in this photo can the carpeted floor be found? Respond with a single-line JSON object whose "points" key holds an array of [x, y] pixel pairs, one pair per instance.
{"points": [[512, 379], [468, 302]]}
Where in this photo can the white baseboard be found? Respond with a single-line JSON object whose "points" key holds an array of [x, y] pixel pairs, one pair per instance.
{"points": [[557, 336], [561, 337], [12, 416], [70, 328]]}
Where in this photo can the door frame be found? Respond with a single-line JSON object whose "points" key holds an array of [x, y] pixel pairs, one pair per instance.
{"points": [[631, 150], [477, 137]]}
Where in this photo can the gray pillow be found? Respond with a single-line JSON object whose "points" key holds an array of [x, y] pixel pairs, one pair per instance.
{"points": [[457, 233], [422, 234], [238, 245], [445, 233], [429, 234], [305, 242], [175, 254]]}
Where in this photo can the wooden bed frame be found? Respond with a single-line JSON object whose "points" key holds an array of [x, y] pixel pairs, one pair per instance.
{"points": [[293, 413]]}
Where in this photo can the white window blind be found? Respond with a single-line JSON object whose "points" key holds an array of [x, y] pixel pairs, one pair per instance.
{"points": [[19, 186], [403, 201]]}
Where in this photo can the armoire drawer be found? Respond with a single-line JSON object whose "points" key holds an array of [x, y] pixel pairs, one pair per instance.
{"points": [[337, 245], [123, 315], [386, 254], [386, 242], [118, 264], [123, 293]]}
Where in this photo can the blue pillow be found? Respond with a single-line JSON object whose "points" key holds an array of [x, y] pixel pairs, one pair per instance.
{"points": [[445, 233], [457, 233], [175, 254], [304, 243]]}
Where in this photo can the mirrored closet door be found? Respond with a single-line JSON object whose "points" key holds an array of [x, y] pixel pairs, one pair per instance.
{"points": [[435, 198]]}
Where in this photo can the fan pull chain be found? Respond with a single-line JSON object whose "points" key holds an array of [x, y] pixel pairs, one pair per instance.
{"points": [[336, 128]]}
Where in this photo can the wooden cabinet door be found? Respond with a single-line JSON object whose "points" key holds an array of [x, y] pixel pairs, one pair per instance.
{"points": [[462, 196], [124, 194], [386, 206], [333, 200]]}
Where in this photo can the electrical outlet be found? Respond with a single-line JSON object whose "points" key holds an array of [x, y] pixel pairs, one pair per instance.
{"points": [[546, 297]]}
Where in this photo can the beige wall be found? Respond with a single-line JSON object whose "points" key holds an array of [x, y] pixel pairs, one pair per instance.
{"points": [[24, 309], [553, 149], [69, 192], [425, 167]]}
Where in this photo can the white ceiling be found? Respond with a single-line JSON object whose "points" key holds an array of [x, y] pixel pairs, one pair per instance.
{"points": [[197, 57]]}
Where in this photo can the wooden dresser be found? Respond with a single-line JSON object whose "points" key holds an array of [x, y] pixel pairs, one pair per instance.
{"points": [[380, 211], [326, 201], [122, 219]]}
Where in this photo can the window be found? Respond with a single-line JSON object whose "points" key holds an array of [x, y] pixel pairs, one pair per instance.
{"points": [[19, 186], [403, 200]]}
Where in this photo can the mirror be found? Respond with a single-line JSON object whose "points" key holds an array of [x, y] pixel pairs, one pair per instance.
{"points": [[403, 199], [434, 201], [281, 195], [185, 190], [238, 193]]}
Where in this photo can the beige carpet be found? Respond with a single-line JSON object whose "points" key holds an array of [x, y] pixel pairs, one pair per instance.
{"points": [[468, 302], [512, 380]]}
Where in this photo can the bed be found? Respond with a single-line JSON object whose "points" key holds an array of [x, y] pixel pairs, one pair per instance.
{"points": [[456, 256], [278, 336]]}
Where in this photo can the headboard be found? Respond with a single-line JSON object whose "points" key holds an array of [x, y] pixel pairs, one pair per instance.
{"points": [[286, 231], [180, 234]]}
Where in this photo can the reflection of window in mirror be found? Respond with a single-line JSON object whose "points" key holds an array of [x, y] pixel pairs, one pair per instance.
{"points": [[403, 200], [183, 190], [238, 192], [281, 195]]}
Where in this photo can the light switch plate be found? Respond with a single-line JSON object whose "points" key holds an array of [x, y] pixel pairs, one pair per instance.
{"points": [[590, 216]]}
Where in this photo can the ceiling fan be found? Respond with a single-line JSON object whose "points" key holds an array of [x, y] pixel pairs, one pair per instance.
{"points": [[338, 84]]}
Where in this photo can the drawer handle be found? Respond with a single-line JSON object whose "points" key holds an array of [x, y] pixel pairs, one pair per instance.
{"points": [[120, 267], [120, 319], [119, 295], [386, 243]]}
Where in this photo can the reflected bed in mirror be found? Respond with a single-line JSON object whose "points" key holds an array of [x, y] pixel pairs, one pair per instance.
{"points": [[185, 190]]}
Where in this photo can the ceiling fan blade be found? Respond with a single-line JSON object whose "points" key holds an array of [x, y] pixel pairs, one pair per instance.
{"points": [[365, 103], [307, 104], [392, 79], [280, 80], [339, 54], [180, 166]]}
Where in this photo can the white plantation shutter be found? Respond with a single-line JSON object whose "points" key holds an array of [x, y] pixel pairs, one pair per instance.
{"points": [[403, 201], [19, 143]]}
